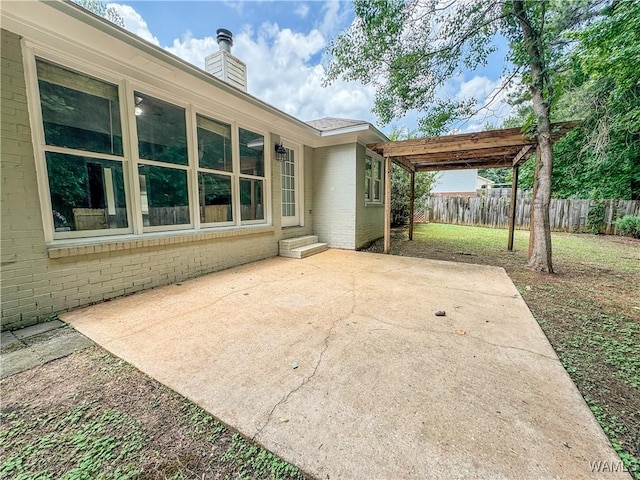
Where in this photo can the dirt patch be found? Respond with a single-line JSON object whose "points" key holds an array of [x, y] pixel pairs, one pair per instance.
{"points": [[92, 415]]}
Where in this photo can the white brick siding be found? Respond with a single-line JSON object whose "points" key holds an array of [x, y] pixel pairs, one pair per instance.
{"points": [[334, 184], [38, 281], [369, 216]]}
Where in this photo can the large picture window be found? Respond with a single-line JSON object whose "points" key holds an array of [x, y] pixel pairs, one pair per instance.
{"points": [[215, 164], [81, 122], [252, 170], [101, 145], [162, 138]]}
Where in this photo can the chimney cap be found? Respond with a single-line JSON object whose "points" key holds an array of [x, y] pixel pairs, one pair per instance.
{"points": [[224, 35]]}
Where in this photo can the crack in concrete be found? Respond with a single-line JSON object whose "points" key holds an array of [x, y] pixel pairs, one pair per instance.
{"points": [[308, 378], [472, 337]]}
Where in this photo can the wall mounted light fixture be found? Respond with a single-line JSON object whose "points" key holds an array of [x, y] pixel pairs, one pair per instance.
{"points": [[281, 152]]}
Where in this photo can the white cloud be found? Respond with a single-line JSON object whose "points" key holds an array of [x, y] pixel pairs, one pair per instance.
{"points": [[282, 64], [280, 71], [491, 95], [134, 22], [302, 10]]}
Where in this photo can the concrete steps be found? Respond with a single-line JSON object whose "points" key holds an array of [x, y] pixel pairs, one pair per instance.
{"points": [[301, 247]]}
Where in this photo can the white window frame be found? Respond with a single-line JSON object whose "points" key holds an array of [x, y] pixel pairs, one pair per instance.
{"points": [[130, 159], [232, 174], [298, 185], [266, 189], [370, 195], [31, 53], [137, 161]]}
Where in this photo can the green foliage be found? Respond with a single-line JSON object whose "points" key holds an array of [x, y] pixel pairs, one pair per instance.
{"points": [[498, 175], [597, 81], [628, 225], [595, 217], [255, 462], [100, 8], [401, 188], [410, 50], [87, 441], [400, 193]]}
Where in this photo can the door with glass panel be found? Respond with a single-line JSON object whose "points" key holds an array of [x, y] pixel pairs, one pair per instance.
{"points": [[290, 173]]}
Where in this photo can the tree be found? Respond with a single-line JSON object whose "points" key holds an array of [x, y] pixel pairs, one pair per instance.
{"points": [[400, 184], [410, 49], [600, 83], [101, 9]]}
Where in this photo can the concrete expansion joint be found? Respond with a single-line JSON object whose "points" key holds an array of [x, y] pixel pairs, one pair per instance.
{"points": [[309, 377]]}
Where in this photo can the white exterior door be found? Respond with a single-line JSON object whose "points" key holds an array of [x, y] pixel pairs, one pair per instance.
{"points": [[290, 178]]}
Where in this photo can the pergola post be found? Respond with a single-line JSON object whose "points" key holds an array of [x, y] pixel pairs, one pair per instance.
{"points": [[512, 207], [412, 203], [387, 204]]}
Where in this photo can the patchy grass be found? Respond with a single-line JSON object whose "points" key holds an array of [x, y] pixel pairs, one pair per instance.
{"points": [[92, 415], [589, 310]]}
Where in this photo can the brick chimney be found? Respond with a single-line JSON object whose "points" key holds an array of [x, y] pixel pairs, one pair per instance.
{"points": [[224, 65]]}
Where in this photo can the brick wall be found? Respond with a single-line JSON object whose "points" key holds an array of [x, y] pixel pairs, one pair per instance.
{"points": [[37, 281], [369, 216], [333, 195]]}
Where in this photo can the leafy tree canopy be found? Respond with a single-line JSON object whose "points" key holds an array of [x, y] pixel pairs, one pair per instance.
{"points": [[409, 50]]}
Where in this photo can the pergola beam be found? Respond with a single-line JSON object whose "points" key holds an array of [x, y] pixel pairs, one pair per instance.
{"points": [[522, 157], [463, 166], [490, 149]]}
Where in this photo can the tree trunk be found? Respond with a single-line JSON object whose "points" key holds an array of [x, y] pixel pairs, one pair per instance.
{"points": [[540, 257]]}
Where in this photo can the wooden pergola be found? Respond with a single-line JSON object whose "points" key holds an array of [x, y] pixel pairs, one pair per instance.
{"points": [[491, 149]]}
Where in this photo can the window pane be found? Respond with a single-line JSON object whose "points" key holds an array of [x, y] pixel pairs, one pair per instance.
{"points": [[164, 196], [376, 189], [215, 198], [86, 194], [367, 188], [367, 167], [251, 199], [376, 170], [251, 153], [162, 131], [214, 144], [79, 111]]}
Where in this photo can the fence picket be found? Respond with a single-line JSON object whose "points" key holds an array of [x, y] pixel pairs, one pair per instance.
{"points": [[565, 215]]}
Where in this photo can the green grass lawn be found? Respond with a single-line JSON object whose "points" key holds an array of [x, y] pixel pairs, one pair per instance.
{"points": [[589, 309]]}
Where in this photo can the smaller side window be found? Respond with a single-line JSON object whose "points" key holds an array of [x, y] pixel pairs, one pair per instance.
{"points": [[377, 179], [367, 178]]}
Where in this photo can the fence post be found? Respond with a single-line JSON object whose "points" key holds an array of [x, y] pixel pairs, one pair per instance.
{"points": [[512, 208]]}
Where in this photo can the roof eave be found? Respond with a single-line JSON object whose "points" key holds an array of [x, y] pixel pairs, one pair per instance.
{"points": [[105, 26]]}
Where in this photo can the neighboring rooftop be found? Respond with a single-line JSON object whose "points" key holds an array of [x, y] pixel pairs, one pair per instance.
{"points": [[333, 123]]}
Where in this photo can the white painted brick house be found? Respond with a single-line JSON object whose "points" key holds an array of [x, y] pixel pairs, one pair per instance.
{"points": [[125, 168]]}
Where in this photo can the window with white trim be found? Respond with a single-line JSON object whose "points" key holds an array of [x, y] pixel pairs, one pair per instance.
{"points": [[189, 170], [215, 169], [251, 175], [83, 150], [373, 179], [163, 161]]}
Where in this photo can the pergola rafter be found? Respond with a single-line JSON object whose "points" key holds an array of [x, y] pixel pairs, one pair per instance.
{"points": [[491, 149]]}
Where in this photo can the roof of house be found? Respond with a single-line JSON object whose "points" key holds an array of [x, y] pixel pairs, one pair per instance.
{"points": [[333, 123]]}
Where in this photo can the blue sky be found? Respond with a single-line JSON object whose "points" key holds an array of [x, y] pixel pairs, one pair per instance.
{"points": [[283, 45]]}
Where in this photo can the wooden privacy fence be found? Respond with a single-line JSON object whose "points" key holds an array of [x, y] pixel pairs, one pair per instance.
{"points": [[565, 215]]}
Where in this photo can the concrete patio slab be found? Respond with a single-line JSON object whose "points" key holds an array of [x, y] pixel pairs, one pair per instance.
{"points": [[382, 388]]}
